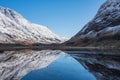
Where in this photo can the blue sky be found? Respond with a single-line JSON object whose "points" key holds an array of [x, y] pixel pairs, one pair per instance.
{"points": [[64, 17]]}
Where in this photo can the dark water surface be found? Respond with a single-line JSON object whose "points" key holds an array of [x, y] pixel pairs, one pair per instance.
{"points": [[80, 66]]}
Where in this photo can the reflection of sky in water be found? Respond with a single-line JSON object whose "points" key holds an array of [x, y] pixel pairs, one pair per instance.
{"points": [[65, 68]]}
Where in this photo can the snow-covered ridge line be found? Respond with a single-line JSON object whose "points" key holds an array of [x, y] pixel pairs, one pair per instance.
{"points": [[16, 29]]}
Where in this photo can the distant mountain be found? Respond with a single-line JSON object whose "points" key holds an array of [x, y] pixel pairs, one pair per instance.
{"points": [[103, 30], [16, 29]]}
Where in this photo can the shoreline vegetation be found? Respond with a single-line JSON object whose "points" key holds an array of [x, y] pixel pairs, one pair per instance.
{"points": [[39, 46]]}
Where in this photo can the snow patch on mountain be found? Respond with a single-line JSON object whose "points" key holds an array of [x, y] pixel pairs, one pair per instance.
{"points": [[14, 29], [109, 31]]}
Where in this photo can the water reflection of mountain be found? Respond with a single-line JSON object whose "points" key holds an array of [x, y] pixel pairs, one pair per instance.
{"points": [[103, 67], [15, 64]]}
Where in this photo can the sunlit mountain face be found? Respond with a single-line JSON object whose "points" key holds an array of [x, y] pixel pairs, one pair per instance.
{"points": [[14, 28]]}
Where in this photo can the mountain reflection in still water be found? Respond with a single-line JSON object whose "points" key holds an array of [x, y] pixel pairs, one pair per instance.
{"points": [[58, 65], [15, 64], [64, 68], [80, 66], [103, 67]]}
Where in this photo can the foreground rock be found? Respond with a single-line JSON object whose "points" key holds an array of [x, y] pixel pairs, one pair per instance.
{"points": [[15, 64]]}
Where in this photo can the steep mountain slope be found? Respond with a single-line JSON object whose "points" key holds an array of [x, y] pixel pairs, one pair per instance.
{"points": [[105, 27], [16, 29]]}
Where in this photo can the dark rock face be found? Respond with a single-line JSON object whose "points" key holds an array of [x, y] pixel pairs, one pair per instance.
{"points": [[107, 16], [104, 26]]}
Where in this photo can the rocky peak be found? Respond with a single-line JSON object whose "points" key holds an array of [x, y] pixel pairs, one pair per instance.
{"points": [[14, 16], [105, 26], [108, 16]]}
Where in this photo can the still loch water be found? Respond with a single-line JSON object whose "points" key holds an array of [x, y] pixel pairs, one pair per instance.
{"points": [[64, 68], [59, 65], [80, 65]]}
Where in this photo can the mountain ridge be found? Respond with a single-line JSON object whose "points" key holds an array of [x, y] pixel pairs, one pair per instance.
{"points": [[14, 28], [102, 29]]}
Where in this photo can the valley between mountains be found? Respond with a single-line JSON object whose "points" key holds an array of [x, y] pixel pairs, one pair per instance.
{"points": [[103, 31]]}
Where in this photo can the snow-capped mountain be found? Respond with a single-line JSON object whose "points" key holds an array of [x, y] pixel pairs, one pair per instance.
{"points": [[16, 29], [104, 26]]}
